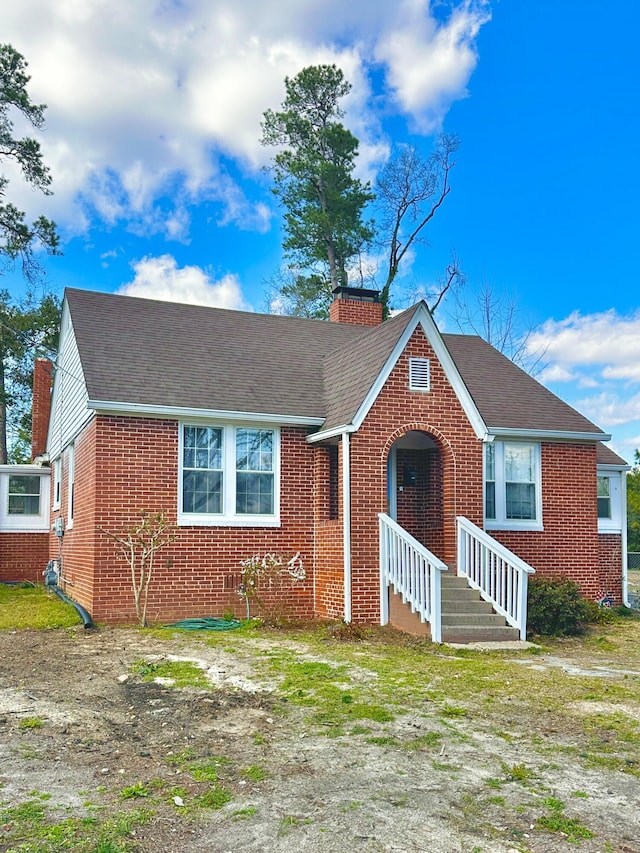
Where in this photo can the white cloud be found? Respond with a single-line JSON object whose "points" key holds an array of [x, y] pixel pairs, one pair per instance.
{"points": [[145, 98], [161, 278], [596, 346], [555, 373], [429, 64], [611, 408]]}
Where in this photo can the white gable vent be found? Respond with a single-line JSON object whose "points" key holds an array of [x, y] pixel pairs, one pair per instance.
{"points": [[419, 375]]}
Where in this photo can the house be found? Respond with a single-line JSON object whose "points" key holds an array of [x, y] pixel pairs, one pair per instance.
{"points": [[24, 496], [420, 476]]}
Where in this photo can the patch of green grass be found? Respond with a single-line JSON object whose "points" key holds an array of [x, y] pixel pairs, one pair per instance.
{"points": [[31, 723], [34, 607], [384, 740], [518, 773], [581, 795], [134, 792], [31, 828], [245, 813], [207, 769], [179, 673], [290, 821], [453, 711], [255, 773], [426, 741], [556, 821], [214, 797]]}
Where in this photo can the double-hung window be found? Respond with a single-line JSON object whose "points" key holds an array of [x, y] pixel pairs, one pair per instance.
{"points": [[24, 498], [609, 502], [228, 475], [512, 485], [24, 495]]}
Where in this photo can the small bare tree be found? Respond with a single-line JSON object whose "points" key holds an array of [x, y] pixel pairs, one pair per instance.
{"points": [[138, 548], [411, 189], [496, 317]]}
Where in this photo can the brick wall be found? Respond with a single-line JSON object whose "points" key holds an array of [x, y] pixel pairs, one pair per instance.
{"points": [[41, 405], [328, 537], [355, 312], [610, 565], [23, 556], [568, 546], [456, 468], [124, 465]]}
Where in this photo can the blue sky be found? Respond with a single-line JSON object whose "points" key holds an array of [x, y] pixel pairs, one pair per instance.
{"points": [[153, 128]]}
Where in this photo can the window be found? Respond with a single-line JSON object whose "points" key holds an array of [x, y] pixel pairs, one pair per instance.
{"points": [[419, 374], [254, 471], [604, 497], [57, 483], [228, 475], [202, 470], [609, 499], [24, 498], [71, 476], [512, 485], [24, 495]]}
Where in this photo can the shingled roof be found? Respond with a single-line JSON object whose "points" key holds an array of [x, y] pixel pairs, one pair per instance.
{"points": [[151, 353]]}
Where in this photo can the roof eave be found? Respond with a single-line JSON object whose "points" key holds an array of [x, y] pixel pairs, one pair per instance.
{"points": [[550, 434], [111, 407], [324, 434]]}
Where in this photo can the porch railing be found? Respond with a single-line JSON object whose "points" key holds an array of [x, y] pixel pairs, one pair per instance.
{"points": [[413, 572], [499, 575]]}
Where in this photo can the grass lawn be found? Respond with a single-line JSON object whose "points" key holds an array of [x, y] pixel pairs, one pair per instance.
{"points": [[34, 607]]}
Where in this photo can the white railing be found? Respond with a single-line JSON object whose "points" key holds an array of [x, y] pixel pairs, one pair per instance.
{"points": [[413, 571], [499, 575]]}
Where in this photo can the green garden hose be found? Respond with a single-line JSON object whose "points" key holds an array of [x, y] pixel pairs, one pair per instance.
{"points": [[207, 624]]}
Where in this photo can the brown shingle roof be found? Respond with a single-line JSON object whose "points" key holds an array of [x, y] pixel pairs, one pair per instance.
{"points": [[505, 395], [153, 353]]}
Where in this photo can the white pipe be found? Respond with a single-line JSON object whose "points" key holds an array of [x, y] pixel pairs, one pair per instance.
{"points": [[623, 537], [346, 524]]}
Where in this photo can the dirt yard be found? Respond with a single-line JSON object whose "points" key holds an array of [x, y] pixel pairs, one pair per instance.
{"points": [[126, 740]]}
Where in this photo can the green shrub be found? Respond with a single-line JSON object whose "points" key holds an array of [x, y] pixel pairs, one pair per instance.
{"points": [[556, 607]]}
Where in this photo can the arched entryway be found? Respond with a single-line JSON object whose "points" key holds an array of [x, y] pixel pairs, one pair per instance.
{"points": [[416, 488]]}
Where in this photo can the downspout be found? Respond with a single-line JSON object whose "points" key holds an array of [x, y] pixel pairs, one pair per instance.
{"points": [[623, 538], [346, 524]]}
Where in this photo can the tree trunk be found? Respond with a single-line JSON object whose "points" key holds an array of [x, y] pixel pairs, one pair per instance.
{"points": [[3, 416]]}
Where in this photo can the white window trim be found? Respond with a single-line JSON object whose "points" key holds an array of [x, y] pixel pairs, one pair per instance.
{"points": [[24, 523], [613, 524], [501, 522], [228, 517], [57, 483], [71, 472]]}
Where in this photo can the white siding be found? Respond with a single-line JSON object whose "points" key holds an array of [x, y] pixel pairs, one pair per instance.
{"points": [[69, 411]]}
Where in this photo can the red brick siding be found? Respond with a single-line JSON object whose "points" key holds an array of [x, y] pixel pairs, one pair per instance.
{"points": [[396, 412], [76, 550], [41, 405], [133, 465], [328, 540], [610, 565], [23, 556], [568, 546], [419, 505], [357, 313]]}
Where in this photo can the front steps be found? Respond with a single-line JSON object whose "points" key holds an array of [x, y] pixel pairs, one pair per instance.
{"points": [[466, 618]]}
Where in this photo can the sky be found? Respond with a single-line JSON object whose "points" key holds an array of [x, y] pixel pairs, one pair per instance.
{"points": [[160, 189]]}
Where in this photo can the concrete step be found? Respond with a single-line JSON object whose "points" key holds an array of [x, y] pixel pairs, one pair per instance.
{"points": [[478, 634], [459, 594], [449, 580], [469, 605], [473, 620]]}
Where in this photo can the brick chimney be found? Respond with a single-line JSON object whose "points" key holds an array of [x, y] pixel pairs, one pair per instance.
{"points": [[356, 305], [41, 405]]}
